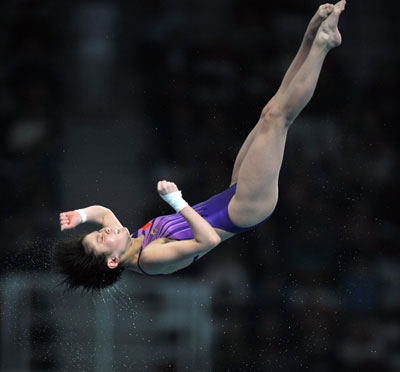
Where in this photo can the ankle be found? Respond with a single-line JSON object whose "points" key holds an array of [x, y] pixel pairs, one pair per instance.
{"points": [[311, 33], [314, 24]]}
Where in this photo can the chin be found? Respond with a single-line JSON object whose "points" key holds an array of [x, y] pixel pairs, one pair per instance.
{"points": [[127, 239], [126, 235]]}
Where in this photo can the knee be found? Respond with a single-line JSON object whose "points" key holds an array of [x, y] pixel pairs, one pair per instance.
{"points": [[268, 106], [274, 115], [271, 111]]}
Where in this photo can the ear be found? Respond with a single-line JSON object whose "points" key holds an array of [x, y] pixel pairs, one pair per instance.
{"points": [[112, 263]]}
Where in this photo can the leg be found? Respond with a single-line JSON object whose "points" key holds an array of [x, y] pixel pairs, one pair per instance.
{"points": [[257, 184], [308, 39], [244, 148], [322, 13]]}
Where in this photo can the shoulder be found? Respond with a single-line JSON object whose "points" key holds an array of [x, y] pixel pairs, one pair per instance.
{"points": [[156, 243], [154, 248], [150, 260], [169, 256]]}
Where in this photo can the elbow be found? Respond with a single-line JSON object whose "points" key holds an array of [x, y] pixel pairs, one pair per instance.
{"points": [[214, 241]]}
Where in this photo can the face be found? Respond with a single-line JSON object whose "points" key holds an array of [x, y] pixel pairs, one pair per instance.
{"points": [[108, 241]]}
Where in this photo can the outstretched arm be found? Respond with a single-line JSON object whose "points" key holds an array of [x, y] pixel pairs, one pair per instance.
{"points": [[95, 213]]}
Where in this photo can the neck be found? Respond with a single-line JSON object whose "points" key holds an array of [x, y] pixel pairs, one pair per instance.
{"points": [[129, 257]]}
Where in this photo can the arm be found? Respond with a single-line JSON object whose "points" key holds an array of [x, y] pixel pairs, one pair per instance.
{"points": [[164, 257], [203, 232], [167, 257], [95, 213]]}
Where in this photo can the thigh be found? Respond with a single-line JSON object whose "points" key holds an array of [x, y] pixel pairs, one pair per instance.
{"points": [[246, 145], [242, 153], [257, 183]]}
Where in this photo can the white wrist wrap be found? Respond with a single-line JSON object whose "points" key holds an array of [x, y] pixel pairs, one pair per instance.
{"points": [[175, 200], [82, 214]]}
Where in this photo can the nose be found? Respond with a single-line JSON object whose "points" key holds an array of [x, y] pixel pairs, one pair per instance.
{"points": [[107, 230]]}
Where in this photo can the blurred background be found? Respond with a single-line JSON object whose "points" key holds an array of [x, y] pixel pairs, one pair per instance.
{"points": [[100, 99]]}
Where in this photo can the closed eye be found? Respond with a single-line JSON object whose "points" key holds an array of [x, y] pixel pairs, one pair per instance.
{"points": [[99, 239]]}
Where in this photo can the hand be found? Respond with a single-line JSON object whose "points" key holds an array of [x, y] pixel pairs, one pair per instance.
{"points": [[165, 187], [69, 220]]}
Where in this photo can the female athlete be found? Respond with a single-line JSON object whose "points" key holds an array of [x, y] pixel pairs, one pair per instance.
{"points": [[169, 243]]}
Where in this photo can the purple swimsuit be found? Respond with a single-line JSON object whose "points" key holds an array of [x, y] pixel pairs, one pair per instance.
{"points": [[174, 226]]}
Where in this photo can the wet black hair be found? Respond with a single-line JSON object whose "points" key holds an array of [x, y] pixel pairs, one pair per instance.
{"points": [[84, 269]]}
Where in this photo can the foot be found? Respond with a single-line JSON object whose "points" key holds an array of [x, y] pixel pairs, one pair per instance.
{"points": [[322, 13], [328, 34]]}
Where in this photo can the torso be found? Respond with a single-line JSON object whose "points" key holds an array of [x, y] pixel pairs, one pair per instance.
{"points": [[163, 229], [224, 235]]}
